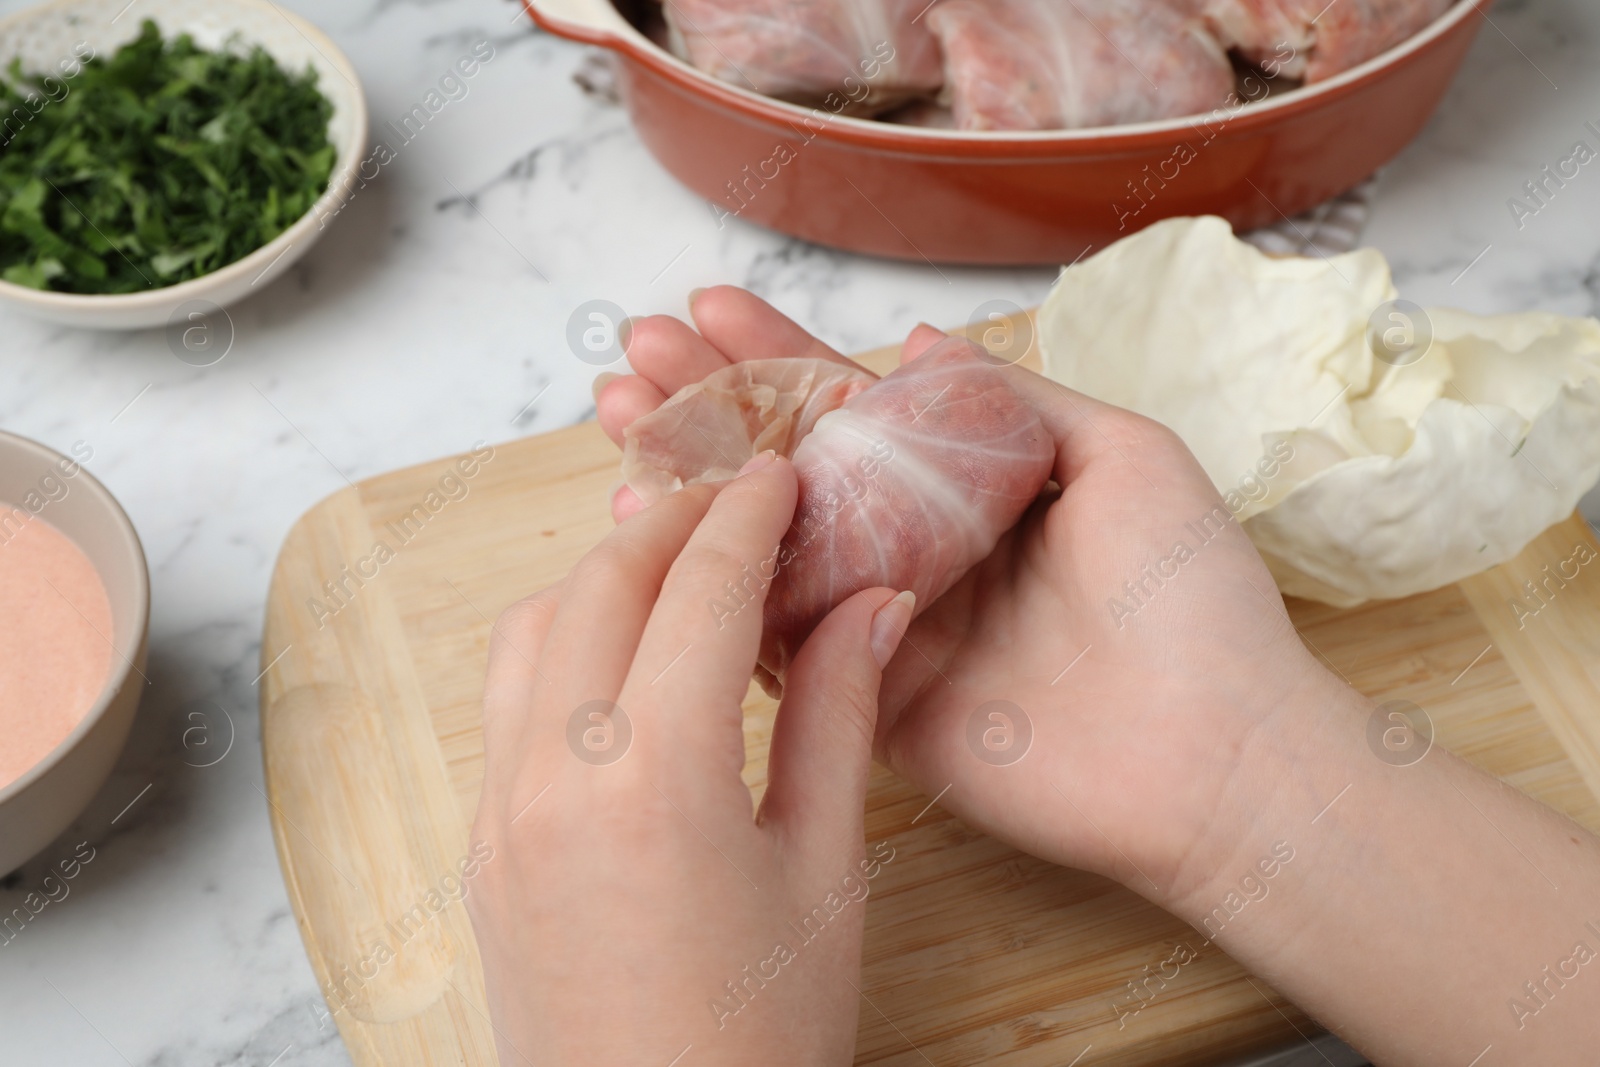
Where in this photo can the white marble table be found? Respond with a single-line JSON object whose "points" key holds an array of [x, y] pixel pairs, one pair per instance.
{"points": [[422, 324]]}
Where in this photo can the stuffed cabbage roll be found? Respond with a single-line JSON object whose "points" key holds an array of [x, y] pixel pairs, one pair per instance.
{"points": [[1313, 39], [908, 484], [851, 55], [1062, 64], [707, 430]]}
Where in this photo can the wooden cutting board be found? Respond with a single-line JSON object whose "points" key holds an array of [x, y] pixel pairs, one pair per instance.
{"points": [[975, 953]]}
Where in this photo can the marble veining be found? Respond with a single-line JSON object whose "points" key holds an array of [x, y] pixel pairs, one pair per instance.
{"points": [[433, 316]]}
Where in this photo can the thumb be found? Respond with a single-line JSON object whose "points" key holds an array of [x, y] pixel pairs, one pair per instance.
{"points": [[821, 753], [922, 338]]}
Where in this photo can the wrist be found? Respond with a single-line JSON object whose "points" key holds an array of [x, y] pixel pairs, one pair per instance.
{"points": [[1292, 763]]}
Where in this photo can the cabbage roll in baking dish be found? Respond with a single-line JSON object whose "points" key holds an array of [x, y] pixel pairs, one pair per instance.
{"points": [[852, 55], [1313, 39], [1062, 64]]}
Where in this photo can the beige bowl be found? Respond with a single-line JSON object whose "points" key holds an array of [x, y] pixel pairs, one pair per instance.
{"points": [[37, 807], [44, 36]]}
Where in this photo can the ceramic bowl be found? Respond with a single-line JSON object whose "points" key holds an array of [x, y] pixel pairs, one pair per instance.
{"points": [[950, 196], [45, 36], [42, 803]]}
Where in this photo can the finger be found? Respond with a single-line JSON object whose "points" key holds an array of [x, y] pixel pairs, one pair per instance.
{"points": [[512, 681], [625, 504], [821, 753], [621, 400], [744, 326], [669, 354], [1086, 431], [921, 338], [699, 648], [608, 598]]}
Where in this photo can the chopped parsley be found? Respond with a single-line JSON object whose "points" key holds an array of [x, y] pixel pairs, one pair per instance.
{"points": [[161, 164]]}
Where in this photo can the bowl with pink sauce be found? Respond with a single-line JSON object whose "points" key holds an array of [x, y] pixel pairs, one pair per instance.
{"points": [[74, 612]]}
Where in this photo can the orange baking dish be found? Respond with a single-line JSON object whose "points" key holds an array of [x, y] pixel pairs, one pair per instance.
{"points": [[949, 196]]}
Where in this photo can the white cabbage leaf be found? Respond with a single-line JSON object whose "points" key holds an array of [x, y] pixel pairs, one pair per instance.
{"points": [[1357, 479]]}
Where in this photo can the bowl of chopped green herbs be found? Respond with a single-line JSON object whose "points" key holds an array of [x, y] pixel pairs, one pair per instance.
{"points": [[160, 154]]}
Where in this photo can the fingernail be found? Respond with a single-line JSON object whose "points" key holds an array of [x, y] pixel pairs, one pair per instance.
{"points": [[889, 626], [625, 334], [601, 380], [757, 461], [694, 294]]}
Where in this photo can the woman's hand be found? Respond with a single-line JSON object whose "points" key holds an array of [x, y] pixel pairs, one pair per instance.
{"points": [[1085, 692], [635, 907], [1119, 688]]}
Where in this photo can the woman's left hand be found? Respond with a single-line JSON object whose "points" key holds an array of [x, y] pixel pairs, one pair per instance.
{"points": [[634, 907]]}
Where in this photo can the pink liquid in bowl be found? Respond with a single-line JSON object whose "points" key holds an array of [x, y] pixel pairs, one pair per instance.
{"points": [[55, 639]]}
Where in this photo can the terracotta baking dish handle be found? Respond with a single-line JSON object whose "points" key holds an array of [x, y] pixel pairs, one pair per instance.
{"points": [[590, 21]]}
